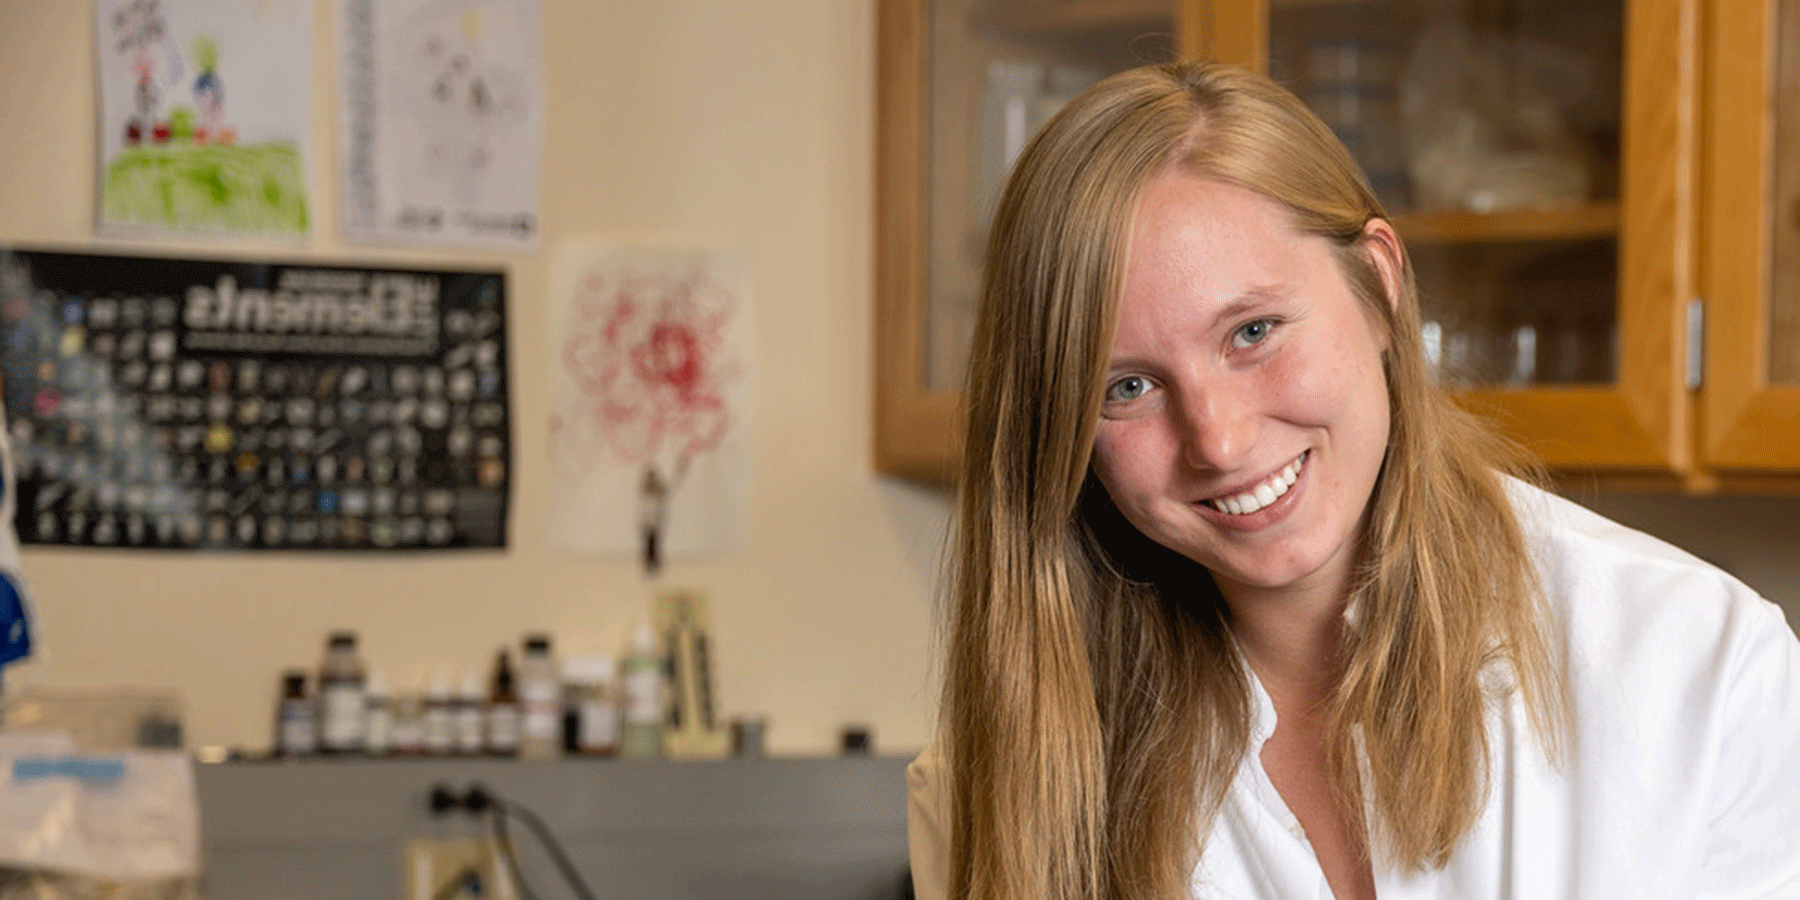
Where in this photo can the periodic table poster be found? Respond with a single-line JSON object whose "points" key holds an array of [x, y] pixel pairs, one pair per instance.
{"points": [[229, 405]]}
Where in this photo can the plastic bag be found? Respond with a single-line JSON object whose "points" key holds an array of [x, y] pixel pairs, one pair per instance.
{"points": [[128, 818]]}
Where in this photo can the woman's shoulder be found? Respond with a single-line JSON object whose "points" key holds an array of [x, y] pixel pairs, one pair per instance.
{"points": [[1588, 560], [1638, 605], [925, 773], [1686, 690], [927, 823]]}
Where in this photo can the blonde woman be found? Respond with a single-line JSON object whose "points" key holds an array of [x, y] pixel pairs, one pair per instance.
{"points": [[1244, 606]]}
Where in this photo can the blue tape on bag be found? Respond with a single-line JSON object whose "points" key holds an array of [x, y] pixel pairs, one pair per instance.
{"points": [[15, 630], [83, 768]]}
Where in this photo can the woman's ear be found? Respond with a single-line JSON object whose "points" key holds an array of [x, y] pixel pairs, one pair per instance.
{"points": [[1382, 247]]}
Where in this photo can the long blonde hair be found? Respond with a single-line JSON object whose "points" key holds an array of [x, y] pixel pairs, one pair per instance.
{"points": [[1095, 708]]}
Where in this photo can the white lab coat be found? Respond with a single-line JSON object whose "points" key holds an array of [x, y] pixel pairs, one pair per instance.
{"points": [[1682, 781]]}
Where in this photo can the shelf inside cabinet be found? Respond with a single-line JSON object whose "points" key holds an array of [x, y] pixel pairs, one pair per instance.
{"points": [[1284, 6], [1063, 19], [1572, 223]]}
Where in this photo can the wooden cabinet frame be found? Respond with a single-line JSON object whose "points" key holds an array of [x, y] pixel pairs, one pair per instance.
{"points": [[1748, 425], [914, 427]]}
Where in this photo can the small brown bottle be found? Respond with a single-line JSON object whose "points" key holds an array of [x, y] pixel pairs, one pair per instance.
{"points": [[503, 710]]}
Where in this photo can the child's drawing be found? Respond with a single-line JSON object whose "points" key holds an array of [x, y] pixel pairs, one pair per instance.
{"points": [[441, 120], [652, 388], [467, 102], [176, 155]]}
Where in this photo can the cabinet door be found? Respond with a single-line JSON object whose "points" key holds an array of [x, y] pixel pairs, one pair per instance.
{"points": [[1537, 157], [962, 85], [1752, 254]]}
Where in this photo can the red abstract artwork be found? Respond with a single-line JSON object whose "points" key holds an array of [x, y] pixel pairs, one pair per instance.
{"points": [[650, 358]]}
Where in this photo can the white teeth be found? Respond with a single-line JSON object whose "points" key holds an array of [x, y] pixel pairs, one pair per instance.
{"points": [[1263, 494]]}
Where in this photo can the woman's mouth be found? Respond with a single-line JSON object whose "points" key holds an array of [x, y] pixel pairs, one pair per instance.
{"points": [[1263, 494]]}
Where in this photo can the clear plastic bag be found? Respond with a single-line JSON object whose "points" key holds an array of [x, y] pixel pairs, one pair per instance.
{"points": [[79, 824]]}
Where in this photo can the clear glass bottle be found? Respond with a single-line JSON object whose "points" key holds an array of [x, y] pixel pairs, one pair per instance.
{"points": [[341, 712], [540, 701]]}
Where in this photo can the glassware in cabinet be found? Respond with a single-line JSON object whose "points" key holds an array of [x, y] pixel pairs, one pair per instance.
{"points": [[998, 72], [1490, 129], [962, 85]]}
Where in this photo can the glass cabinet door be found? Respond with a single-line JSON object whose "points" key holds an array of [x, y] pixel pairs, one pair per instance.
{"points": [[1531, 155], [1490, 130], [1752, 251], [963, 85], [1783, 339], [998, 70]]}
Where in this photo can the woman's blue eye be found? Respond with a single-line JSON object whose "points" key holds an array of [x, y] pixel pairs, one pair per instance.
{"points": [[1254, 332], [1130, 387]]}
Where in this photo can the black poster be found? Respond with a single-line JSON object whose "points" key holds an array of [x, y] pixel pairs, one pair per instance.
{"points": [[205, 404]]}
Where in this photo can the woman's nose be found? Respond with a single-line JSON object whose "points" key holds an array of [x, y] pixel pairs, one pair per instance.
{"points": [[1219, 427]]}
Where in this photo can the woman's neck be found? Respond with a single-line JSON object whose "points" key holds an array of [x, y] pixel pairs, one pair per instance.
{"points": [[1291, 638]]}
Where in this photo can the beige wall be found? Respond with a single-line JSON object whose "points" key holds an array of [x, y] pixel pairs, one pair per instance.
{"points": [[717, 122]]}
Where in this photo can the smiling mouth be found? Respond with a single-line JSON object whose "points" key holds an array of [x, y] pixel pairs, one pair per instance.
{"points": [[1263, 494]]}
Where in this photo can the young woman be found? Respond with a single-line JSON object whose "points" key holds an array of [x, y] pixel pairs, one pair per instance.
{"points": [[1244, 606]]}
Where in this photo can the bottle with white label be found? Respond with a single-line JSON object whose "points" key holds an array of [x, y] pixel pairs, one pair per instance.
{"points": [[590, 706], [471, 731], [342, 713], [540, 701], [296, 720], [409, 725], [640, 729], [378, 717], [440, 718]]}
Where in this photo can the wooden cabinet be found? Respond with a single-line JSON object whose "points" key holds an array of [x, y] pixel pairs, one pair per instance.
{"points": [[1586, 187]]}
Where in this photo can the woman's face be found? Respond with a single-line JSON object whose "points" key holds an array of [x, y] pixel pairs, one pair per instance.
{"points": [[1246, 413]]}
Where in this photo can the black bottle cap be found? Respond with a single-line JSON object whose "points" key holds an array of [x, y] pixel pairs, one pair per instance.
{"points": [[537, 643], [856, 741]]}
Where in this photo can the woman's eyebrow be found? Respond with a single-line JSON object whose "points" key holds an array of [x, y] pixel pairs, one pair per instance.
{"points": [[1257, 296]]}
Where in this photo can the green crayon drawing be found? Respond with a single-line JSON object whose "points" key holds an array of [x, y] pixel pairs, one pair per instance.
{"points": [[181, 163], [229, 187]]}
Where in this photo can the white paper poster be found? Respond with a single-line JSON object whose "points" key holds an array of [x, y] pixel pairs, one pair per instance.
{"points": [[203, 116], [441, 120], [652, 362]]}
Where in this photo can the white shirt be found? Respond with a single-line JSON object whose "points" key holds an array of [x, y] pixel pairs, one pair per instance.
{"points": [[1682, 779]]}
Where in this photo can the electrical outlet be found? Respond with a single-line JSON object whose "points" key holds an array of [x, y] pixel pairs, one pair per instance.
{"points": [[432, 864]]}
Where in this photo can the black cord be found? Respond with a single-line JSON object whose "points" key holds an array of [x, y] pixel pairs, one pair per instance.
{"points": [[503, 843], [479, 800], [545, 837]]}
